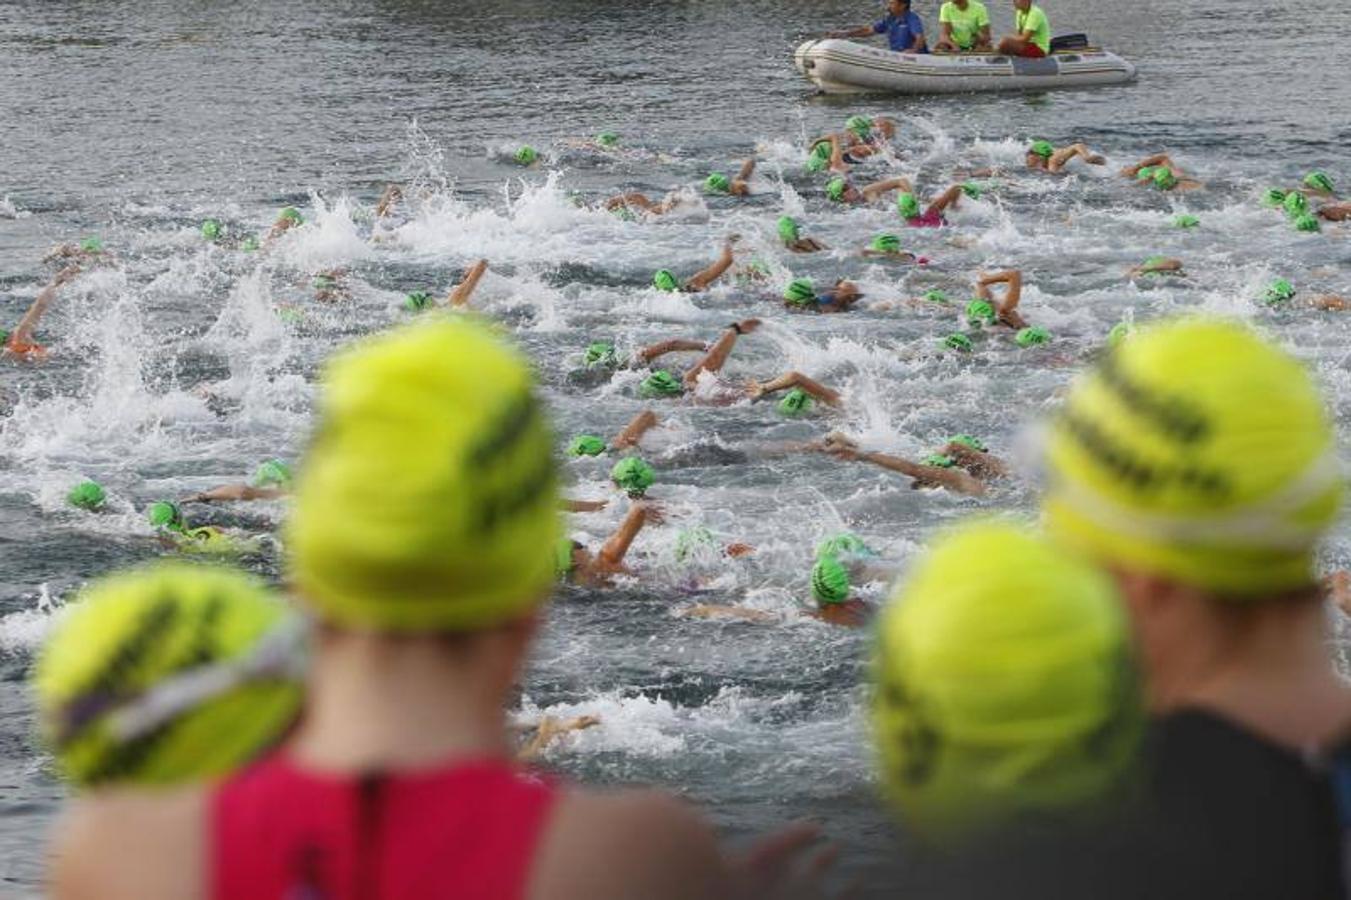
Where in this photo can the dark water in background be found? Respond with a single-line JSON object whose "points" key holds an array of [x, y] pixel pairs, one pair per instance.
{"points": [[135, 121]]}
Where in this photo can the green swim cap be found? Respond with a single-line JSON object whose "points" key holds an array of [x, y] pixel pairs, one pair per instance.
{"points": [[796, 402], [845, 543], [607, 139], [1044, 149], [563, 565], [1279, 291], [1031, 337], [4, 336], [788, 229], [1295, 204], [835, 189], [1147, 173], [1318, 181], [935, 296], [92, 245], [1121, 331], [861, 126], [665, 280], [525, 155], [1004, 687], [211, 229], [600, 353], [633, 476], [980, 312], [164, 514], [717, 183], [939, 461], [1164, 179], [272, 473], [800, 292], [324, 283], [886, 243], [958, 341], [292, 214], [416, 301], [830, 581], [972, 190], [586, 445], [690, 541], [1185, 221], [660, 383], [1307, 222], [817, 163], [1273, 197], [87, 495], [249, 244], [623, 214], [907, 204], [970, 442]]}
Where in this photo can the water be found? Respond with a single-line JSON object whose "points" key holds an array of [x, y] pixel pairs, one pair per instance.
{"points": [[175, 372]]}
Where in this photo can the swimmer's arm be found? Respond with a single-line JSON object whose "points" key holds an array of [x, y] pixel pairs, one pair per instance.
{"points": [[988, 463], [23, 332], [717, 355], [676, 345], [702, 280], [582, 506], [1158, 159], [797, 380], [549, 730], [878, 188], [235, 492], [460, 294], [807, 245], [717, 611], [617, 547], [739, 185], [1006, 308], [1061, 158], [837, 163], [641, 424], [952, 479], [392, 195], [631, 198]]}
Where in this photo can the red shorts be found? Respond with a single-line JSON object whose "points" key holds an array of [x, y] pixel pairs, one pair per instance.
{"points": [[1031, 51]]}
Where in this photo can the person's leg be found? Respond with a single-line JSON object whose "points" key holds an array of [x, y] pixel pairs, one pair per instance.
{"points": [[1011, 46]]}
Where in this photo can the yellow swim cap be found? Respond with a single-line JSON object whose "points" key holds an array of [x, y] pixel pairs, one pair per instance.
{"points": [[168, 674], [1200, 452], [1004, 686], [429, 498]]}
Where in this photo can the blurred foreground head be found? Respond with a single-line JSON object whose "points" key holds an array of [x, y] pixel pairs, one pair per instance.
{"points": [[1005, 691], [1198, 453], [428, 500], [167, 674]]}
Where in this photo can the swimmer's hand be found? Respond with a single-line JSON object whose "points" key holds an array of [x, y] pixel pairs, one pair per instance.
{"points": [[69, 273], [746, 326], [841, 447], [652, 513]]}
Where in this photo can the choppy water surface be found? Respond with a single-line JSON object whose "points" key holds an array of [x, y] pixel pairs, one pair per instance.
{"points": [[175, 371]]}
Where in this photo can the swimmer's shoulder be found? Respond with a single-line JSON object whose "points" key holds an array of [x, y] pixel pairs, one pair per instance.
{"points": [[120, 844]]}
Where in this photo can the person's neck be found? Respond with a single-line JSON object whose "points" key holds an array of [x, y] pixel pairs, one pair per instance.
{"points": [[1268, 671], [409, 703]]}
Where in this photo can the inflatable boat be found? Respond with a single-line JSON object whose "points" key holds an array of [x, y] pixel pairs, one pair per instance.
{"points": [[844, 67]]}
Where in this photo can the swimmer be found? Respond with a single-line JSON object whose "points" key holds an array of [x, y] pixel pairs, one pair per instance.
{"points": [[631, 200], [738, 186], [888, 246], [1044, 157], [936, 471], [907, 204], [547, 731], [1334, 212], [1006, 310], [801, 296], [271, 480], [1157, 265], [175, 533], [791, 380], [1282, 293], [665, 280], [19, 343], [839, 190], [791, 235], [459, 295], [287, 219], [578, 565], [330, 285], [89, 250], [831, 596], [1160, 171]]}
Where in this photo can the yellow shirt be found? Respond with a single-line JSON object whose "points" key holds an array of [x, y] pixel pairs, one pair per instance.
{"points": [[1034, 20], [966, 23]]}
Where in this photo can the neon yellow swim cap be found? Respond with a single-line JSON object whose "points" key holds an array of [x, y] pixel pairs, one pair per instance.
{"points": [[167, 674], [1197, 451], [459, 535], [1004, 686]]}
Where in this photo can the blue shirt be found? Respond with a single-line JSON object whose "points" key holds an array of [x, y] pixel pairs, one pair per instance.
{"points": [[901, 31]]}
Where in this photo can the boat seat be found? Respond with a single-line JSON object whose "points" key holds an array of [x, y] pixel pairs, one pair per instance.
{"points": [[1069, 42]]}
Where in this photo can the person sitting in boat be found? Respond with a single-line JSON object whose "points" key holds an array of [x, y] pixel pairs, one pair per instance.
{"points": [[1033, 39], [965, 25], [903, 28]]}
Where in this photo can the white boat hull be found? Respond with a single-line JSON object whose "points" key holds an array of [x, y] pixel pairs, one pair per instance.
{"points": [[844, 67]]}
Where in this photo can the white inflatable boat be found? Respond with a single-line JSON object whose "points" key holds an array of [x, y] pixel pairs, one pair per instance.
{"points": [[844, 67]]}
